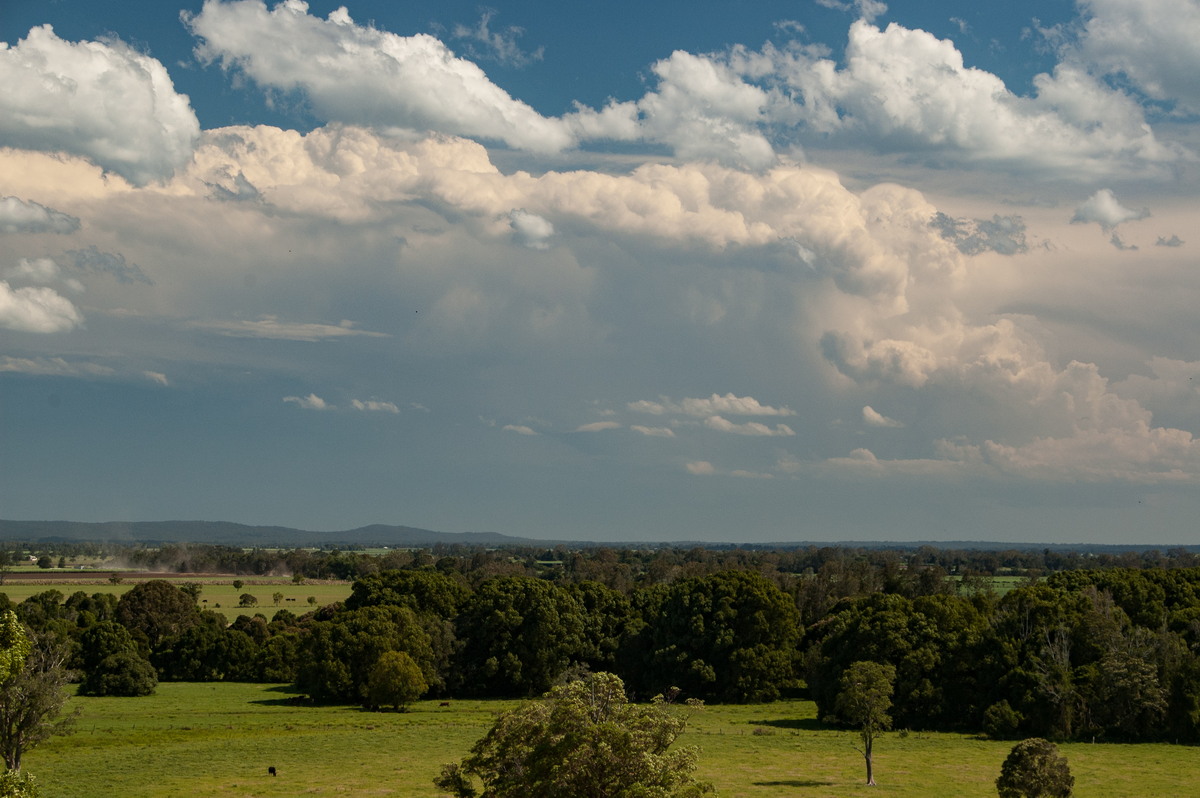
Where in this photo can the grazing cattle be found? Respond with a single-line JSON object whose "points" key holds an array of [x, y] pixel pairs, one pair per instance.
{"points": [[271, 770], [444, 704]]}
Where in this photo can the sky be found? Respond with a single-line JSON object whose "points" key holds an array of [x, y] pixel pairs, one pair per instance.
{"points": [[820, 270]]}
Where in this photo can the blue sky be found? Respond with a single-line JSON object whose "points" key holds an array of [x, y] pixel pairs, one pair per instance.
{"points": [[738, 271]]}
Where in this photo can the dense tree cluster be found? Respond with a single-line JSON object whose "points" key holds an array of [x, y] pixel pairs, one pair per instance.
{"points": [[859, 569], [1111, 653]]}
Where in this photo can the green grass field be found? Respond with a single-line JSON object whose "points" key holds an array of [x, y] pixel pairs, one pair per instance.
{"points": [[218, 740]]}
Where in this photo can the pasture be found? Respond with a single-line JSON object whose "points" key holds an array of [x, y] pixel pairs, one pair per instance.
{"points": [[217, 592], [219, 739]]}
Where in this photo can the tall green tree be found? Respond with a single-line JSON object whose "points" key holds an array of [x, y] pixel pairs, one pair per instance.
{"points": [[581, 740], [863, 701], [14, 645], [157, 610], [32, 700], [395, 681]]}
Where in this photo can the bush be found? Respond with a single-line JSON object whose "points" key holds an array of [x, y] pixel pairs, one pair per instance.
{"points": [[17, 784], [582, 738], [1001, 721], [1035, 769]]}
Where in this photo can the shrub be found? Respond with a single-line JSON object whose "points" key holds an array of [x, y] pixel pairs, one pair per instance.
{"points": [[1035, 769]]}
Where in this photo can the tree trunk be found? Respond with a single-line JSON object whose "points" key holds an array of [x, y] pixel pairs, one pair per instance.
{"points": [[867, 756]]}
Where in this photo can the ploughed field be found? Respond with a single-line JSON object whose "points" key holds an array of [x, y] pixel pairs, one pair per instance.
{"points": [[219, 739]]}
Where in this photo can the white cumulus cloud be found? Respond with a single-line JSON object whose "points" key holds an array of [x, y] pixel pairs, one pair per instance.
{"points": [[1152, 42], [99, 99], [363, 75], [530, 229], [36, 309], [22, 216], [907, 90], [873, 418], [1104, 209]]}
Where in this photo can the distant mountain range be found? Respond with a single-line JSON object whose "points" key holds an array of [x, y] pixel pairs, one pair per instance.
{"points": [[238, 534], [230, 534]]}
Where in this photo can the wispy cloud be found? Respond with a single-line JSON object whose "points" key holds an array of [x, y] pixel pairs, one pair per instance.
{"points": [[729, 404], [598, 426], [752, 428], [653, 432], [374, 406], [310, 402], [520, 429], [485, 43], [271, 327], [54, 367]]}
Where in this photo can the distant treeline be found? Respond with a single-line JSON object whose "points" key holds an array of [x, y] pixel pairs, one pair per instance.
{"points": [[874, 568], [1108, 652]]}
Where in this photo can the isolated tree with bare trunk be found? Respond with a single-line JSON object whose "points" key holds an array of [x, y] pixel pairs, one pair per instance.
{"points": [[863, 701]]}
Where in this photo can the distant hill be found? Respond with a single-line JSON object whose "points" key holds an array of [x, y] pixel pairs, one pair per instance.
{"points": [[230, 534]]}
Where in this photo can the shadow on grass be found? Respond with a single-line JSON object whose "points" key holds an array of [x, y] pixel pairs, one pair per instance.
{"points": [[794, 783], [803, 724], [289, 697]]}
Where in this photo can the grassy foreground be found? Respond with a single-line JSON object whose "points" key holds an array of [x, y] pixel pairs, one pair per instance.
{"points": [[219, 739]]}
